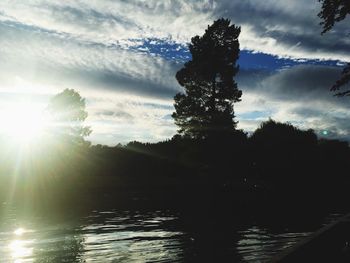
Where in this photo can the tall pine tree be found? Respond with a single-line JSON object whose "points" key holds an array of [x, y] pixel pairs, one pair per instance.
{"points": [[206, 107]]}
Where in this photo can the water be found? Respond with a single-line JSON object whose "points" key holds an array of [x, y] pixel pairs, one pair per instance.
{"points": [[125, 236]]}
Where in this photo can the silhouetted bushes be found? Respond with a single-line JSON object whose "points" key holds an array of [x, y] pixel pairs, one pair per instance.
{"points": [[278, 164]]}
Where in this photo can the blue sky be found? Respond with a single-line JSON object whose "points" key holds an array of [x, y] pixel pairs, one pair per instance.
{"points": [[248, 59], [122, 56]]}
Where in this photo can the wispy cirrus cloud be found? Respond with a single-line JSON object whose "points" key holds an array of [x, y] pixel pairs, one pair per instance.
{"points": [[289, 28]]}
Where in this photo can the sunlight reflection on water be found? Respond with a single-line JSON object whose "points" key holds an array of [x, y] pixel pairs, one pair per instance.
{"points": [[100, 237], [112, 236], [20, 249]]}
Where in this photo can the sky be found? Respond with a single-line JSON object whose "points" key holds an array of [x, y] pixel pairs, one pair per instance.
{"points": [[122, 56]]}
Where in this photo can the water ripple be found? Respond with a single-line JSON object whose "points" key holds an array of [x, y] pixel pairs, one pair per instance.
{"points": [[124, 236]]}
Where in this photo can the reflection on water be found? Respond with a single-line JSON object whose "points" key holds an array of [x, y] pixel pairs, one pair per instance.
{"points": [[131, 238], [258, 244], [98, 237], [20, 249], [114, 236]]}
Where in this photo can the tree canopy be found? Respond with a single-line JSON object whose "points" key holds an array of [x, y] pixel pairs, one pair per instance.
{"points": [[206, 106], [335, 11], [67, 110], [271, 132]]}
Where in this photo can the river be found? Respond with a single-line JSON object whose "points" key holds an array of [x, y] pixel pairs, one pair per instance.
{"points": [[139, 236]]}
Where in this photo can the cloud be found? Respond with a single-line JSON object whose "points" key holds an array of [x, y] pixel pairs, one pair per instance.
{"points": [[123, 55], [287, 29], [128, 93], [120, 119], [113, 21], [313, 82], [50, 59], [300, 95]]}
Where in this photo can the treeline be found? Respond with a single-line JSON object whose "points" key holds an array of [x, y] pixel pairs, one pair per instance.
{"points": [[277, 163]]}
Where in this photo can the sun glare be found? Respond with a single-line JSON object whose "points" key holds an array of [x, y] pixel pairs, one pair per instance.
{"points": [[22, 122]]}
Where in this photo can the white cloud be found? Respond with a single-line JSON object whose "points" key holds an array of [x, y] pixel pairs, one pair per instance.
{"points": [[113, 21], [288, 28], [129, 118]]}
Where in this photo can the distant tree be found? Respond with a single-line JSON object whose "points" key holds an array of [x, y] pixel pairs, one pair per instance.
{"points": [[335, 11], [283, 153], [271, 132], [67, 110], [206, 107]]}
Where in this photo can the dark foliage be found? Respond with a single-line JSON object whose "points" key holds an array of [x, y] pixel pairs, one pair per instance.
{"points": [[283, 153], [67, 110], [335, 11], [295, 166], [344, 80], [279, 165], [206, 107]]}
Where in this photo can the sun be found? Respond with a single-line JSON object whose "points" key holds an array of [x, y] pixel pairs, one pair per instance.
{"points": [[22, 122]]}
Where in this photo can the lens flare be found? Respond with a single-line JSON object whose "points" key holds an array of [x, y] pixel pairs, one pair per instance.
{"points": [[22, 122]]}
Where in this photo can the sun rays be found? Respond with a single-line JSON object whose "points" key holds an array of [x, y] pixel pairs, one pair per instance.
{"points": [[23, 122]]}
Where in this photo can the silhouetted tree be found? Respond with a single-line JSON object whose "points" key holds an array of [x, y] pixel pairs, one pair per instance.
{"points": [[272, 132], [206, 107], [334, 11], [344, 79], [284, 154], [68, 113]]}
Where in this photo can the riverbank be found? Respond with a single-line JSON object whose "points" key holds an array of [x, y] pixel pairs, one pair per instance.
{"points": [[188, 195]]}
